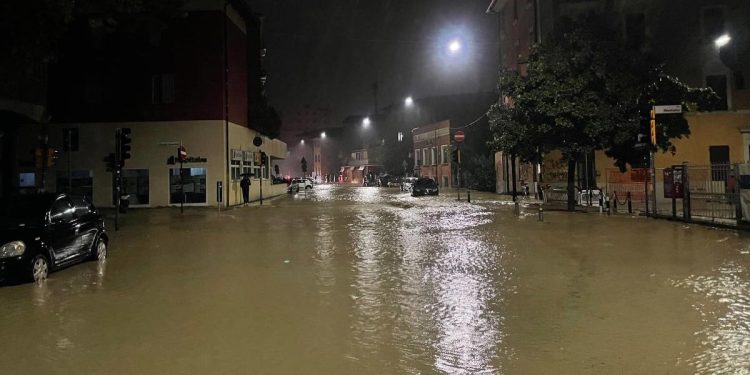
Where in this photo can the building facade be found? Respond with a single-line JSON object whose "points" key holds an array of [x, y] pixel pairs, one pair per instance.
{"points": [[682, 34], [195, 82], [432, 150]]}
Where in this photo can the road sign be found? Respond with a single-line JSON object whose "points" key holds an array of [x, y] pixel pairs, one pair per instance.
{"points": [[459, 136], [667, 109], [257, 141]]}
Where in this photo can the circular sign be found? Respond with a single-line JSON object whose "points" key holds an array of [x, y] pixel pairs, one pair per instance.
{"points": [[257, 141], [459, 136]]}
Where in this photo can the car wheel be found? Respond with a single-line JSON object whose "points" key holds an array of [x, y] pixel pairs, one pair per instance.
{"points": [[39, 268], [99, 252], [308, 187]]}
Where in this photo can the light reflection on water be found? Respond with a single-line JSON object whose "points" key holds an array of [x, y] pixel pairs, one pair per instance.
{"points": [[423, 284], [726, 337]]}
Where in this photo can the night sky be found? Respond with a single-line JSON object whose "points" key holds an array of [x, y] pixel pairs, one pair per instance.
{"points": [[328, 53]]}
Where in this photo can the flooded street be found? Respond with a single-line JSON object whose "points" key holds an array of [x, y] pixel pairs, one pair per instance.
{"points": [[373, 281]]}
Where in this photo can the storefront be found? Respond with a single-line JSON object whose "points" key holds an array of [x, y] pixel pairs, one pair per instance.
{"points": [[152, 177]]}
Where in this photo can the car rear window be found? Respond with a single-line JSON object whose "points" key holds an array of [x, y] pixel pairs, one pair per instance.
{"points": [[81, 205]]}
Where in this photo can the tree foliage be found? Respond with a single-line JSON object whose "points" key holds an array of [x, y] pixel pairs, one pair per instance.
{"points": [[584, 91]]}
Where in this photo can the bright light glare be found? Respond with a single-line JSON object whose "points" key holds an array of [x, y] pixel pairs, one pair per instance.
{"points": [[722, 40], [302, 142], [454, 46], [323, 135], [366, 122], [409, 101]]}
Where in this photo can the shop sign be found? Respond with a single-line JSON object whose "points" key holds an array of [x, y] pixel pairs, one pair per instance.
{"points": [[236, 154]]}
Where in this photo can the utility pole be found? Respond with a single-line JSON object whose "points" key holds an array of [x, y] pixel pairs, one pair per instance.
{"points": [[651, 159]]}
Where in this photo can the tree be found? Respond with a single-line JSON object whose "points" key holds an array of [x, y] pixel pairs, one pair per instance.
{"points": [[585, 91], [303, 163]]}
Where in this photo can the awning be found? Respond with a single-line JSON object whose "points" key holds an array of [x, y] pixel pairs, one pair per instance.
{"points": [[361, 168]]}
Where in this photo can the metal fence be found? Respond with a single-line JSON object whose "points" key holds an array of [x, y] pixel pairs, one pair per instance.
{"points": [[706, 193]]}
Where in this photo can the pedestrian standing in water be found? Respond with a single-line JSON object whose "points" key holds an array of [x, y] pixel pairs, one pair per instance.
{"points": [[245, 186]]}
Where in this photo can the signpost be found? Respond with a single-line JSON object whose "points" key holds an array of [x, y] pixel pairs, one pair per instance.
{"points": [[459, 137], [257, 142], [661, 110]]}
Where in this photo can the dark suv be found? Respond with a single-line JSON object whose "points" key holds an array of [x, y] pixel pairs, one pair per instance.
{"points": [[424, 186], [44, 232]]}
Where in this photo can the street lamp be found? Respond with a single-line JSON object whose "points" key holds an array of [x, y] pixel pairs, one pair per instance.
{"points": [[366, 122], [409, 101], [454, 46], [323, 135], [722, 40], [302, 142]]}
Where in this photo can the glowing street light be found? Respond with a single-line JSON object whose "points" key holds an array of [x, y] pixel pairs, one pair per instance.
{"points": [[454, 46], [409, 101], [366, 122], [722, 40], [302, 142], [323, 135]]}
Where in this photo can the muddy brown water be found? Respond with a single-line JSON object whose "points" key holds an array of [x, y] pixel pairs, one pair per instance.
{"points": [[372, 281]]}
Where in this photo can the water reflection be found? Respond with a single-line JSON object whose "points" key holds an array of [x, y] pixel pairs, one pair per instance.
{"points": [[727, 333]]}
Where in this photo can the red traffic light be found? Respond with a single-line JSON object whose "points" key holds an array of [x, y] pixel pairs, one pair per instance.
{"points": [[182, 154]]}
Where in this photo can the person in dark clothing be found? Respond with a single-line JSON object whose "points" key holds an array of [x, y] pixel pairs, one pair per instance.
{"points": [[245, 186]]}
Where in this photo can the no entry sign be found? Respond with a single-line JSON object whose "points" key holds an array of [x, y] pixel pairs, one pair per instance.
{"points": [[459, 136]]}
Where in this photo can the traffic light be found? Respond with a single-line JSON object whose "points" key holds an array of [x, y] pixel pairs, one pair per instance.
{"points": [[109, 160], [125, 145], [263, 158], [182, 154], [454, 156], [52, 155]]}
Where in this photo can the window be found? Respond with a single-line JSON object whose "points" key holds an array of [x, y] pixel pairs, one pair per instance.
{"points": [[162, 89], [188, 185], [82, 182], [433, 156], [235, 170], [635, 29], [712, 20], [719, 156], [417, 157], [61, 210], [425, 157], [247, 163], [446, 155], [70, 139], [81, 206], [719, 84], [135, 184]]}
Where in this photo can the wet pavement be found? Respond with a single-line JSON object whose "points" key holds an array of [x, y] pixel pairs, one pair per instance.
{"points": [[373, 281]]}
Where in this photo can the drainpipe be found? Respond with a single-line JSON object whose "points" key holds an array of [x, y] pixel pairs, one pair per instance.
{"points": [[226, 101]]}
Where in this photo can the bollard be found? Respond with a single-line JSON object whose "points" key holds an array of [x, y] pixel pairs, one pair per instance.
{"points": [[468, 196], [517, 209], [614, 202], [609, 206], [630, 204], [601, 203], [541, 213]]}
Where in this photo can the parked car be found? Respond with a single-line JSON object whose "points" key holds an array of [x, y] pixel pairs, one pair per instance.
{"points": [[299, 183], [45, 232], [424, 186], [407, 183]]}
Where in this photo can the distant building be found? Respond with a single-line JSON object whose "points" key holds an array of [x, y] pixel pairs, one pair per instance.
{"points": [[304, 124], [683, 34], [196, 80], [432, 150]]}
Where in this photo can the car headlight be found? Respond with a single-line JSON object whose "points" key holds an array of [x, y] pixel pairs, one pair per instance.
{"points": [[12, 249]]}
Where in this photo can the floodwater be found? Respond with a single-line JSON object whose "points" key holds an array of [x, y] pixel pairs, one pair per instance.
{"points": [[373, 281]]}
